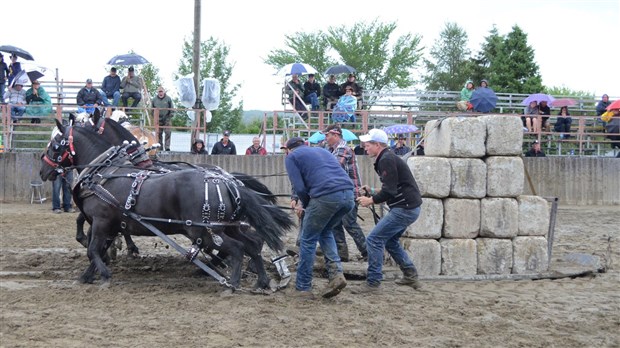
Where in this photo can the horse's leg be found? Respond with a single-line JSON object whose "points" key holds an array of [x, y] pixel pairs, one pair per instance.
{"points": [[234, 248], [79, 235], [252, 246], [96, 249], [132, 249]]}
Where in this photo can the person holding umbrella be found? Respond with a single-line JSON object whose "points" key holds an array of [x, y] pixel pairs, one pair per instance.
{"points": [[14, 68], [132, 86], [401, 148]]}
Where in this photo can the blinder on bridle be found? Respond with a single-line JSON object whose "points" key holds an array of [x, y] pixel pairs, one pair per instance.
{"points": [[61, 149]]}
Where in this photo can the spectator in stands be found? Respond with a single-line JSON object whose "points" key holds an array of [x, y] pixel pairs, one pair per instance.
{"points": [[359, 149], [295, 92], [132, 86], [198, 147], [602, 105], [562, 125], [331, 93], [164, 103], [255, 148], [312, 91], [466, 92], [529, 120], [484, 83], [419, 150], [16, 98], [4, 76], [344, 111], [401, 148], [88, 98], [348, 162], [224, 146], [39, 102], [613, 126], [543, 109], [14, 68], [111, 88], [356, 88], [535, 151], [326, 196]]}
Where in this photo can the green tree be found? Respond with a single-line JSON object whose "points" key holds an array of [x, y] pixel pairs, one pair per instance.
{"points": [[214, 64], [150, 74], [514, 68], [482, 62], [381, 61], [450, 66]]}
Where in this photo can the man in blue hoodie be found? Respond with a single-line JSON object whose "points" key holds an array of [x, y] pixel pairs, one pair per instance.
{"points": [[326, 195]]}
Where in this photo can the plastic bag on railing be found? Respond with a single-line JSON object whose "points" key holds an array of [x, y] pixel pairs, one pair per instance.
{"points": [[208, 116], [191, 115], [211, 94], [186, 90]]}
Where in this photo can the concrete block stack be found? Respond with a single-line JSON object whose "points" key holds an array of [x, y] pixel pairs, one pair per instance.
{"points": [[474, 218]]}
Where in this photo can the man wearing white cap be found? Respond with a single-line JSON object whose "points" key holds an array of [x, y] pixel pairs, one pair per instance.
{"points": [[400, 191]]}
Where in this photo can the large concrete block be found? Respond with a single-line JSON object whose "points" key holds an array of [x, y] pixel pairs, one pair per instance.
{"points": [[432, 175], [529, 255], [461, 218], [494, 256], [534, 216], [499, 217], [456, 137], [425, 254], [430, 222], [458, 256], [469, 178], [504, 135], [504, 176]]}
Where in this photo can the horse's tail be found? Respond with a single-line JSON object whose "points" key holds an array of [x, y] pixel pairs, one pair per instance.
{"points": [[269, 221], [253, 184]]}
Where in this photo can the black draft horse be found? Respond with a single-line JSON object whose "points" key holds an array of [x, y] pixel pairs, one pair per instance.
{"points": [[190, 195], [116, 134]]}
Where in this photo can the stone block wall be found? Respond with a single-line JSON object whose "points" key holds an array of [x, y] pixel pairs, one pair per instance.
{"points": [[475, 218]]}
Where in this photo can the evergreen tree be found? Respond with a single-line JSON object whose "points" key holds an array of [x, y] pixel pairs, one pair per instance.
{"points": [[450, 67], [487, 54]]}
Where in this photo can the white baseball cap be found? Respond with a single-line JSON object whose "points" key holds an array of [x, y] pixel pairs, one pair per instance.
{"points": [[376, 135]]}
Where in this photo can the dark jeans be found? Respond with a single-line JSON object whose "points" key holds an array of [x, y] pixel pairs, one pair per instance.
{"points": [[136, 98], [349, 223], [321, 216], [563, 124], [62, 183]]}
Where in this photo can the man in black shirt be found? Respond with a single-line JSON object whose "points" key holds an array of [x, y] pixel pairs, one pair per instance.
{"points": [[535, 151], [400, 191]]}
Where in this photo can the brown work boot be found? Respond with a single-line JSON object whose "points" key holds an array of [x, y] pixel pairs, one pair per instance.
{"points": [[335, 286], [366, 289], [410, 278]]}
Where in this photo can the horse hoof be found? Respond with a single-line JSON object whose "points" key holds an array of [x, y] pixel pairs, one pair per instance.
{"points": [[86, 279], [228, 292], [105, 284]]}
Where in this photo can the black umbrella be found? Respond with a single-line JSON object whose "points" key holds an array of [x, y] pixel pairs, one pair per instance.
{"points": [[23, 76], [128, 59], [17, 51], [340, 69]]}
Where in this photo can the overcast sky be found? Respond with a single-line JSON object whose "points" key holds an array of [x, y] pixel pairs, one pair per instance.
{"points": [[575, 41]]}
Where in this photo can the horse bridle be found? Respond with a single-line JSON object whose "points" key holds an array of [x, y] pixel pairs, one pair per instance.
{"points": [[62, 150]]}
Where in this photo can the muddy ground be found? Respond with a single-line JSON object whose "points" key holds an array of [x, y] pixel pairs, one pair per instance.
{"points": [[160, 300]]}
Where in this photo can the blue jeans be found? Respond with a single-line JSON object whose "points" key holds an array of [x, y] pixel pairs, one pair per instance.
{"points": [[17, 112], [115, 98], [321, 216], [386, 235], [313, 99], [349, 223], [64, 183]]}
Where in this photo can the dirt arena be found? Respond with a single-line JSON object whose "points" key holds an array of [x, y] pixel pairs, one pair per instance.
{"points": [[160, 300]]}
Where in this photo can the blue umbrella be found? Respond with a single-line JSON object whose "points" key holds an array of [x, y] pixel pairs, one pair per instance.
{"points": [[400, 128], [483, 99], [128, 59], [296, 69], [347, 135]]}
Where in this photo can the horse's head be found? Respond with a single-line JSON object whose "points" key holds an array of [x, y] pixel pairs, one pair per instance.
{"points": [[58, 154]]}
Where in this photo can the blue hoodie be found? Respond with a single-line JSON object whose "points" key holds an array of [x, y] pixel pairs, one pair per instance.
{"points": [[315, 172]]}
